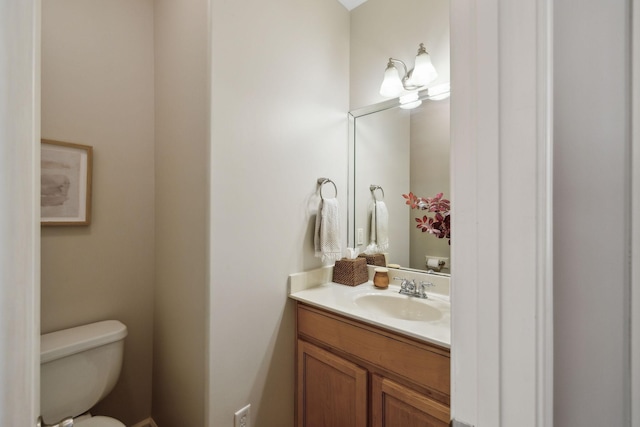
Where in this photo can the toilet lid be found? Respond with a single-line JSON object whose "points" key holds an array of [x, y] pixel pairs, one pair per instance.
{"points": [[99, 421]]}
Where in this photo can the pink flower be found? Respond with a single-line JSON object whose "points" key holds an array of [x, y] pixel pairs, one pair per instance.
{"points": [[439, 224]]}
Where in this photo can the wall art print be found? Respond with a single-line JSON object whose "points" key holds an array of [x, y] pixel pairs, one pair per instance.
{"points": [[65, 183]]}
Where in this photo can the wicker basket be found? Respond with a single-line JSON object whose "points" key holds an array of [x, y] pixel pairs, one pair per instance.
{"points": [[375, 259], [351, 272]]}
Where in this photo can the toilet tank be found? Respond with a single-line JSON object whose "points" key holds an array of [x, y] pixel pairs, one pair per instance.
{"points": [[79, 367]]}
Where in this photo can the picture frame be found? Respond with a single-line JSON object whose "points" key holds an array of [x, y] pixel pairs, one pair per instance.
{"points": [[65, 183]]}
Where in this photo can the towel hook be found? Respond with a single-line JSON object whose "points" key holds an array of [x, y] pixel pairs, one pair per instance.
{"points": [[373, 189], [322, 182]]}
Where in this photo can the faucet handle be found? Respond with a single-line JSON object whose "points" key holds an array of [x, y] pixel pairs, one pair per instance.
{"points": [[422, 289], [404, 282]]}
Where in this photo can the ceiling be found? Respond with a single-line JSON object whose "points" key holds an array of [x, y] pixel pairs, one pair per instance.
{"points": [[351, 4]]}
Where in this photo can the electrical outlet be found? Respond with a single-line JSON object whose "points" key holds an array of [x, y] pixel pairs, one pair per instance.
{"points": [[242, 417], [360, 239]]}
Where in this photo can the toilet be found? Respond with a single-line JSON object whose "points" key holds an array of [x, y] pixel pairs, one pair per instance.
{"points": [[78, 368]]}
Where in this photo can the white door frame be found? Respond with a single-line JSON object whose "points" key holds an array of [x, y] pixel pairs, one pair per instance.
{"points": [[635, 215], [19, 212], [502, 325]]}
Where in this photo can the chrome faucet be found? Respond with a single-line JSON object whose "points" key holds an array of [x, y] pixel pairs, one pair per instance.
{"points": [[409, 287], [67, 422]]}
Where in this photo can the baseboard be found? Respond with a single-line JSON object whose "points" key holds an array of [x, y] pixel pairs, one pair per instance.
{"points": [[146, 423]]}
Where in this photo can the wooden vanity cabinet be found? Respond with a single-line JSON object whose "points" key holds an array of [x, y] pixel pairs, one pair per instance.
{"points": [[351, 374], [394, 405], [334, 390]]}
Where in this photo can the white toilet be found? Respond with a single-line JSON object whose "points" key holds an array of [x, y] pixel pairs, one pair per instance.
{"points": [[78, 368]]}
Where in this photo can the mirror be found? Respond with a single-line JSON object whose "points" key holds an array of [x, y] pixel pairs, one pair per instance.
{"points": [[400, 151]]}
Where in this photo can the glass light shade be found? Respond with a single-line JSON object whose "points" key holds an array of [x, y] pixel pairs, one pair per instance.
{"points": [[409, 97], [424, 72], [391, 85], [410, 100]]}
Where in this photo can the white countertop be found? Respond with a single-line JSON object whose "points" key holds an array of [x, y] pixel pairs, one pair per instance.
{"points": [[341, 299]]}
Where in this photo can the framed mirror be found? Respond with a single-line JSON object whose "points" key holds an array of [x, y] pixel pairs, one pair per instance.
{"points": [[394, 152]]}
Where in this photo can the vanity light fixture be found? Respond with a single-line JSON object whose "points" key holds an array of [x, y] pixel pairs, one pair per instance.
{"points": [[415, 79]]}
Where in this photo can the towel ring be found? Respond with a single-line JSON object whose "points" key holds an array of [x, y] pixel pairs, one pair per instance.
{"points": [[373, 189], [322, 182]]}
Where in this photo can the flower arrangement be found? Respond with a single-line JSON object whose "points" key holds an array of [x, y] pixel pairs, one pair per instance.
{"points": [[439, 224]]}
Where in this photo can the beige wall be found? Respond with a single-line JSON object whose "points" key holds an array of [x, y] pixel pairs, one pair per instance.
{"points": [[277, 113], [97, 89], [181, 61], [280, 98]]}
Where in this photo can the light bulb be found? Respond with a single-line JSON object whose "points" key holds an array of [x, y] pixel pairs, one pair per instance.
{"points": [[409, 97], [410, 100], [411, 105], [439, 92]]}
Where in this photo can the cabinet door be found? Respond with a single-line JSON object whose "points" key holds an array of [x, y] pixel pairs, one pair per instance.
{"points": [[394, 405], [331, 391]]}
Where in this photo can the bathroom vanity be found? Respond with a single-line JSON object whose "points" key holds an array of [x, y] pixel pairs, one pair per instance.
{"points": [[355, 371]]}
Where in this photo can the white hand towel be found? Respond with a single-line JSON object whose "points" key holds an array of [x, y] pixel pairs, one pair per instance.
{"points": [[379, 241], [327, 234]]}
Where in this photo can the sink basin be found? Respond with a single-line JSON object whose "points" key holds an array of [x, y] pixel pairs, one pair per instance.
{"points": [[398, 306], [426, 320]]}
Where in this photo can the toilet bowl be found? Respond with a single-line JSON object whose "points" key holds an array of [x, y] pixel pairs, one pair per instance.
{"points": [[78, 368]]}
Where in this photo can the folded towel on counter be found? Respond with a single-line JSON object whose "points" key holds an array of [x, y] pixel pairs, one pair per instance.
{"points": [[327, 235], [379, 241]]}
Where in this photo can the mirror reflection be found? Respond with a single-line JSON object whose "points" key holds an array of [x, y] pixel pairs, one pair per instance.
{"points": [[394, 43], [396, 152]]}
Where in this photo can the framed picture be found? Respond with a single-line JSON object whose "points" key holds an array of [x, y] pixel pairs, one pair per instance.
{"points": [[65, 183]]}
